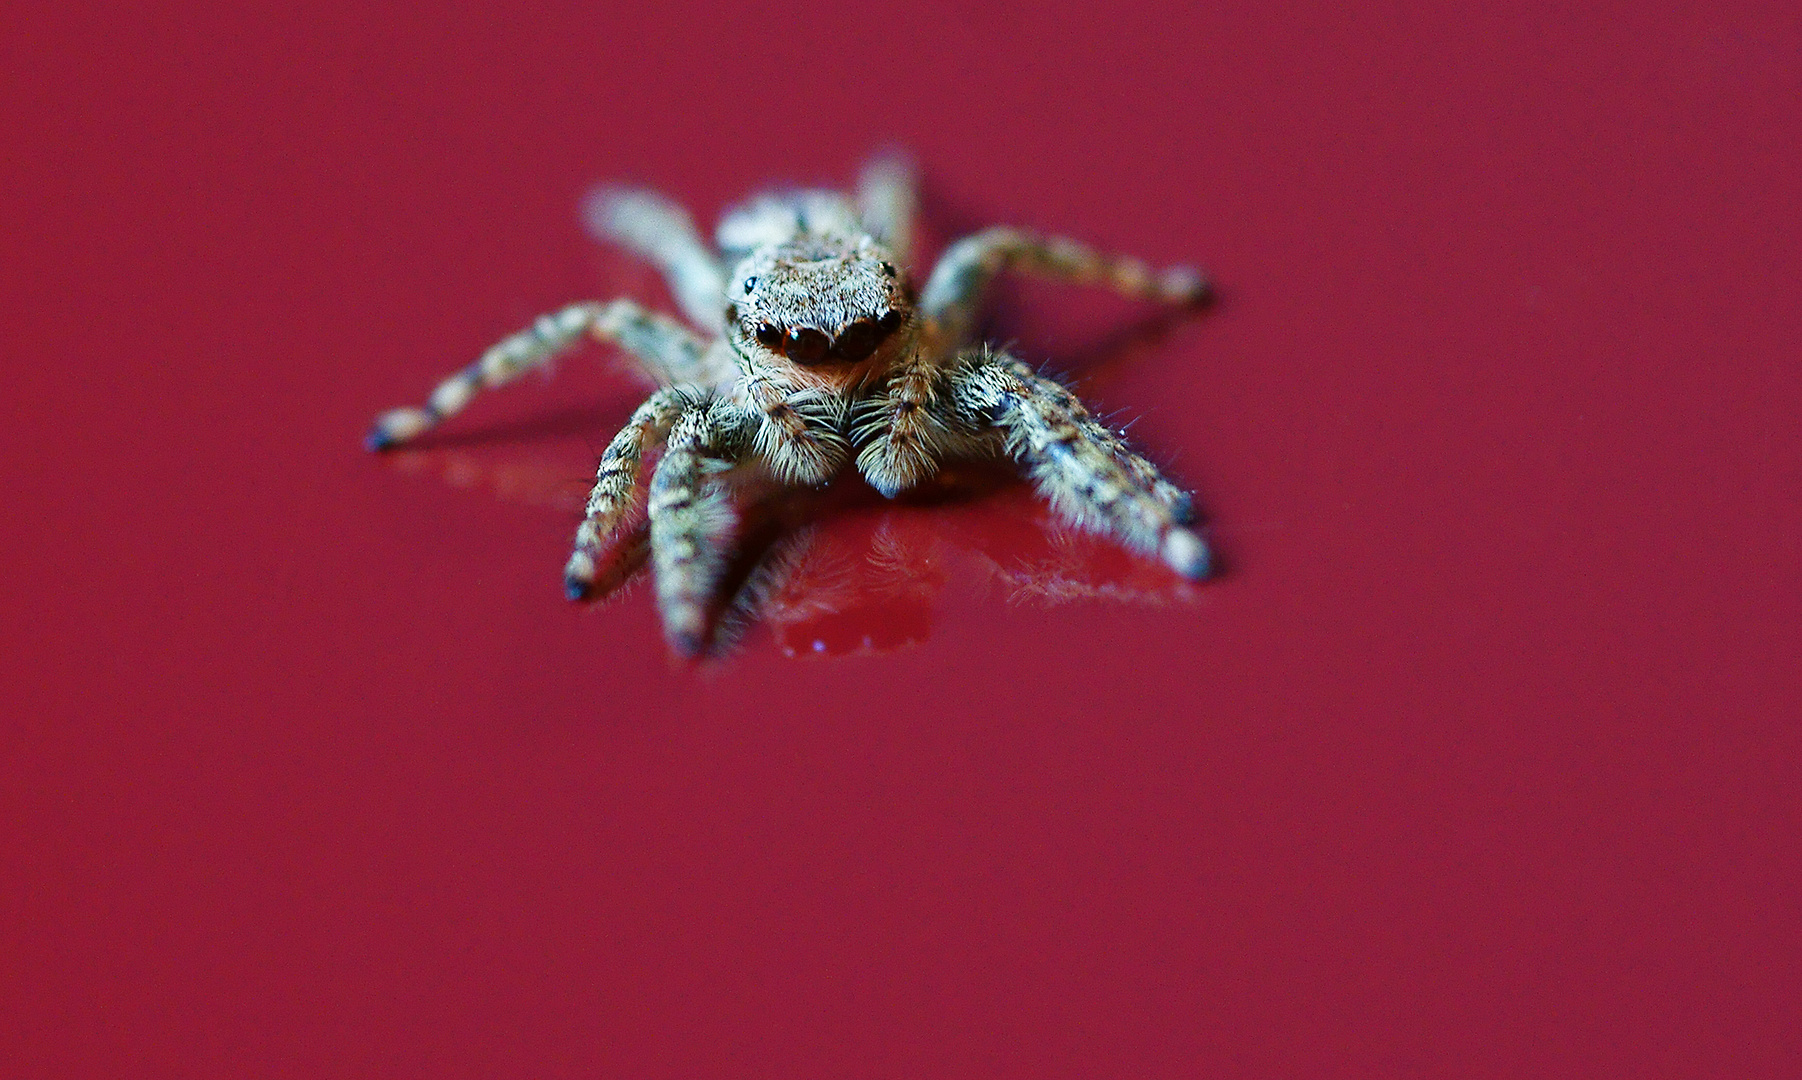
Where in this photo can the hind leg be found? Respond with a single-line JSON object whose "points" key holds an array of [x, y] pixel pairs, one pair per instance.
{"points": [[886, 198], [661, 232]]}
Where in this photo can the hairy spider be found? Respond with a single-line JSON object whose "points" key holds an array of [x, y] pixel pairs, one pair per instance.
{"points": [[818, 350]]}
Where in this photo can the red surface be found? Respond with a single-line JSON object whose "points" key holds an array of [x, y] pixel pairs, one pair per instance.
{"points": [[1481, 761]]}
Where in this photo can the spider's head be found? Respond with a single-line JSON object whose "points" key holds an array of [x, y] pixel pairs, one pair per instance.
{"points": [[823, 304]]}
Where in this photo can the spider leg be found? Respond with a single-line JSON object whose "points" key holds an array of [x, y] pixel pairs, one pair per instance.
{"points": [[662, 344], [956, 287], [613, 500], [886, 198], [661, 232], [1082, 468], [692, 520]]}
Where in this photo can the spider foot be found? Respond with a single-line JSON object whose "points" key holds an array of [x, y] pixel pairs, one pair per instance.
{"points": [[1187, 554], [396, 426], [1185, 286], [686, 643]]}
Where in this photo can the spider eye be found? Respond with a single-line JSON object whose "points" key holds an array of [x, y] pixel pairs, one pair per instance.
{"points": [[888, 268], [769, 335], [807, 345], [750, 283], [856, 341], [889, 323]]}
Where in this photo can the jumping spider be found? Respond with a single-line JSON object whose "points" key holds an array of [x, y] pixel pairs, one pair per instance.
{"points": [[817, 349]]}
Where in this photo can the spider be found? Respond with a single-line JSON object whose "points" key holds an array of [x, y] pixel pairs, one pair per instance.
{"points": [[817, 351]]}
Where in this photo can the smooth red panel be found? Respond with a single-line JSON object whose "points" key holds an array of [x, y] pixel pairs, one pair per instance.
{"points": [[1481, 760]]}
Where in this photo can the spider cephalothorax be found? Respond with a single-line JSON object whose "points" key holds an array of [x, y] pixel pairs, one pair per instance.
{"points": [[814, 348], [822, 309]]}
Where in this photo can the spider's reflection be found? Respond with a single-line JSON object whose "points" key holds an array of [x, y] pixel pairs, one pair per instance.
{"points": [[842, 571]]}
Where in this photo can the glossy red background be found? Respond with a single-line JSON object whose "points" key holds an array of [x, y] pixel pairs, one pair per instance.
{"points": [[1481, 761]]}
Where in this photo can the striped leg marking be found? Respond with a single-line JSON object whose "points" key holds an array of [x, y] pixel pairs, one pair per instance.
{"points": [[661, 343], [955, 290], [611, 503], [900, 432], [798, 435], [691, 532], [1083, 469]]}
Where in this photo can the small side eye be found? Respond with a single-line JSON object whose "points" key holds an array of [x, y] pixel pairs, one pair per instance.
{"points": [[889, 323], [750, 283], [888, 268], [769, 335]]}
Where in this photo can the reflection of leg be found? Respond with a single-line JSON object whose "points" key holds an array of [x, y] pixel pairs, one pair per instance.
{"points": [[662, 233], [615, 485], [691, 528], [956, 287], [1081, 467], [886, 200], [662, 344], [777, 591], [906, 558]]}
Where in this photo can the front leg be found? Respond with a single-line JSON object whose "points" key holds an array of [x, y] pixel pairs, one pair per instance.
{"points": [[608, 521], [670, 350], [955, 290], [1083, 469], [692, 520]]}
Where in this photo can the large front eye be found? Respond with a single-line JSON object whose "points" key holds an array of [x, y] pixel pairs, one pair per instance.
{"points": [[856, 341], [807, 345], [769, 335]]}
